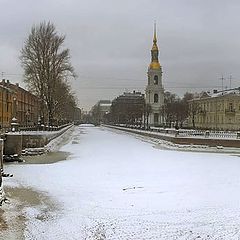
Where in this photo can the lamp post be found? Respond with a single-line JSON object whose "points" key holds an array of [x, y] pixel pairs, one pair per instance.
{"points": [[27, 117], [14, 123]]}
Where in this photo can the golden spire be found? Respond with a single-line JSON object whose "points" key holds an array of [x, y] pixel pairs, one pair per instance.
{"points": [[155, 34], [154, 52]]}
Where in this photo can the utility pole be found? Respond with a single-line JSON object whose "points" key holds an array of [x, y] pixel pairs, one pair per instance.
{"points": [[222, 78], [230, 79]]}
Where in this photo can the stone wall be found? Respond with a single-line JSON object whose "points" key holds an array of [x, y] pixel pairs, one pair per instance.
{"points": [[185, 140], [16, 142]]}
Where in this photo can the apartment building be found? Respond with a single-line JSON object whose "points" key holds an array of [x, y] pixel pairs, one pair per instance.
{"points": [[219, 110], [19, 103]]}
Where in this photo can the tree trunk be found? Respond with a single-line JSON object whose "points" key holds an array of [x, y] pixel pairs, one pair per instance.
{"points": [[144, 120], [147, 121], [50, 116], [193, 121]]}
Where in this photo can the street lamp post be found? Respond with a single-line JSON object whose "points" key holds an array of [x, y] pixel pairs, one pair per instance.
{"points": [[14, 123], [27, 117]]}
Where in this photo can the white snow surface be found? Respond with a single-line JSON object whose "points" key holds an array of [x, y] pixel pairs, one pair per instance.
{"points": [[116, 186]]}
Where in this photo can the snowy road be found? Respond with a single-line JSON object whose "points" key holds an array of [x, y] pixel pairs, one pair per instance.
{"points": [[116, 186]]}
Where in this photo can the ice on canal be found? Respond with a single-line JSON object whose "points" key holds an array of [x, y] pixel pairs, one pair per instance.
{"points": [[117, 186]]}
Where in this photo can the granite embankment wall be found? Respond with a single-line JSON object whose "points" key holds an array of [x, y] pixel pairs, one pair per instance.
{"points": [[211, 142], [17, 141]]}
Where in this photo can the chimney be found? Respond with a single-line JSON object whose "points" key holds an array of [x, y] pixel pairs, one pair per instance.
{"points": [[215, 91], [17, 84], [3, 81]]}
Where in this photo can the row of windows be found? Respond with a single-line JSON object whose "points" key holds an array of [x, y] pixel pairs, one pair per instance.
{"points": [[22, 118], [221, 106], [5, 95], [4, 119], [214, 120], [6, 107]]}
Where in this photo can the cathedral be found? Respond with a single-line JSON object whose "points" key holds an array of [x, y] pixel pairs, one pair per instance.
{"points": [[154, 92]]}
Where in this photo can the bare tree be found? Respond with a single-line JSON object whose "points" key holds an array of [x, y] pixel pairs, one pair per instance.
{"points": [[194, 109], [46, 64], [147, 111], [170, 109], [65, 103]]}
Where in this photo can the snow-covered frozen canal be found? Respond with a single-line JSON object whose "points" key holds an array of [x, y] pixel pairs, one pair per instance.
{"points": [[116, 186]]}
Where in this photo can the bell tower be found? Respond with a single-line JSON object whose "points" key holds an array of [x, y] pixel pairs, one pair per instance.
{"points": [[154, 91]]}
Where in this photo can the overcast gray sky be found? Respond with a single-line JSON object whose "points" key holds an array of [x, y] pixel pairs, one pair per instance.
{"points": [[110, 42]]}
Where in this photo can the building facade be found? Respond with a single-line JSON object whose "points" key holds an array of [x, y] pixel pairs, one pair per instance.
{"points": [[104, 109], [217, 111], [7, 97], [100, 111], [104, 106], [154, 93], [24, 105], [128, 108]]}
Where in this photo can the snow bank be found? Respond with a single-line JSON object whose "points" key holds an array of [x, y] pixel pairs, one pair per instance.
{"points": [[115, 186]]}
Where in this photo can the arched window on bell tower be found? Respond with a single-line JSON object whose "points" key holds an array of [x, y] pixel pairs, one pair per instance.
{"points": [[155, 80], [155, 98]]}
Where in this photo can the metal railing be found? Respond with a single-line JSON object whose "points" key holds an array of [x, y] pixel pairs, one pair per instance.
{"points": [[187, 132]]}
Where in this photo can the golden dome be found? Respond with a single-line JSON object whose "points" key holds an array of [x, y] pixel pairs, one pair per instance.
{"points": [[155, 65]]}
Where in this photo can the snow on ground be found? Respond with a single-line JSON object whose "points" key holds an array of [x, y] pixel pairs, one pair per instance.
{"points": [[115, 186]]}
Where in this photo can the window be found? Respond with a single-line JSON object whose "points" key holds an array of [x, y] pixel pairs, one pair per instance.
{"points": [[155, 80], [156, 98]]}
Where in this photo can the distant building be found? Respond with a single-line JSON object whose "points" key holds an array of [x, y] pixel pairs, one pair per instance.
{"points": [[154, 91], [77, 115], [104, 106], [128, 108], [100, 111], [219, 110]]}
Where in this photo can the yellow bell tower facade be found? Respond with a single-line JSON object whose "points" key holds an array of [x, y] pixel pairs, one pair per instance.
{"points": [[154, 92]]}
